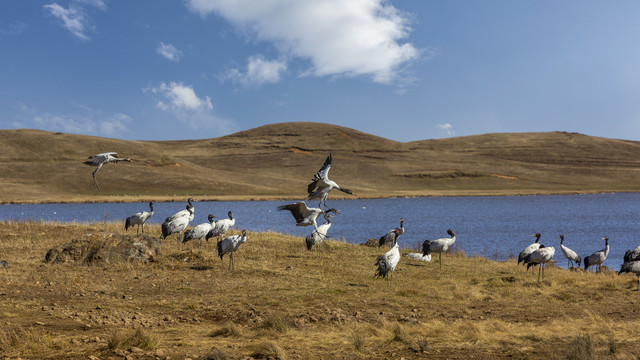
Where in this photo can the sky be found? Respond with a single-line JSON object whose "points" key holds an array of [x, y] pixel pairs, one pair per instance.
{"points": [[401, 69]]}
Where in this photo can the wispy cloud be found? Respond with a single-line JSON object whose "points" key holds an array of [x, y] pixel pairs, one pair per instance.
{"points": [[189, 108], [259, 72], [169, 52], [83, 121], [75, 17], [338, 38], [446, 127], [12, 28]]}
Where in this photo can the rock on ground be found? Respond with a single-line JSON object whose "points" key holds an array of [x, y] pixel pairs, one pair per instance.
{"points": [[106, 247]]}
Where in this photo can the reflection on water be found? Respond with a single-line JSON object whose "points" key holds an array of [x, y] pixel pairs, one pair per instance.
{"points": [[494, 227]]}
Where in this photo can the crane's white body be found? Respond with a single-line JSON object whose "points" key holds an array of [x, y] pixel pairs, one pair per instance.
{"points": [[221, 227], [419, 257], [540, 257], [230, 245], [199, 231], [139, 218], [100, 159], [317, 236], [598, 257], [571, 255], [321, 185], [439, 245], [177, 224], [387, 263], [529, 249]]}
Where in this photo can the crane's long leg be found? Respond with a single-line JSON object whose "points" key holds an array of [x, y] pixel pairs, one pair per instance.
{"points": [[95, 182], [440, 261], [231, 261], [200, 246], [179, 242], [542, 266], [638, 282], [539, 269]]}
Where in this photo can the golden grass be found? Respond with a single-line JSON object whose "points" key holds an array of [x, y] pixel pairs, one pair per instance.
{"points": [[285, 302]]}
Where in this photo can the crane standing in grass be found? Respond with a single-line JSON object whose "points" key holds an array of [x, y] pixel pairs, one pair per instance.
{"points": [[438, 246], [529, 249], [230, 245], [199, 231], [177, 224], [540, 257], [568, 253], [598, 257], [100, 159], [321, 185], [317, 236], [632, 267], [221, 227], [139, 218], [387, 262], [392, 234]]}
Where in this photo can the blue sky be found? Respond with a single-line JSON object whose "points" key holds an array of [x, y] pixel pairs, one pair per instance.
{"points": [[405, 69]]}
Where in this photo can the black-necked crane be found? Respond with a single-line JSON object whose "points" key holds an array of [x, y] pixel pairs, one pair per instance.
{"points": [[392, 234], [199, 231], [221, 227], [387, 262], [185, 212], [176, 225], [568, 253], [100, 159], [317, 236], [540, 257], [229, 246], [304, 215], [598, 257], [320, 186], [139, 218], [529, 249], [438, 246], [632, 267], [632, 255]]}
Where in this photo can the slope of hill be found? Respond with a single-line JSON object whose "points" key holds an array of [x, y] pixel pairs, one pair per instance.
{"points": [[277, 161]]}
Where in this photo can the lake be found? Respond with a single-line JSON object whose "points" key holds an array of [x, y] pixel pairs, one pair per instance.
{"points": [[495, 227]]}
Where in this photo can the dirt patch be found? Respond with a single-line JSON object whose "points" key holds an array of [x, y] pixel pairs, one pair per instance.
{"points": [[106, 247]]}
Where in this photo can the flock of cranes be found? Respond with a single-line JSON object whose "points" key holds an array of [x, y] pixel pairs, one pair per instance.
{"points": [[319, 189]]}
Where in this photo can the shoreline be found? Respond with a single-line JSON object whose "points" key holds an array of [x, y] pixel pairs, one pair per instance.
{"points": [[164, 198]]}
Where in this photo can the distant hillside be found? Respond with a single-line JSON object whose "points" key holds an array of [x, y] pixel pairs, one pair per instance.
{"points": [[279, 160]]}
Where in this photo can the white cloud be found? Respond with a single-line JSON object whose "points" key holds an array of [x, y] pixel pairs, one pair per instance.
{"points": [[189, 108], [75, 18], [182, 97], [338, 38], [168, 51], [446, 127], [12, 28], [259, 72]]}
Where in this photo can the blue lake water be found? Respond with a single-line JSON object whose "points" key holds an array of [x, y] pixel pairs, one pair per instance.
{"points": [[495, 227]]}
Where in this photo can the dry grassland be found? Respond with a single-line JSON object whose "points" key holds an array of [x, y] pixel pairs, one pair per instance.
{"points": [[277, 161], [285, 302]]}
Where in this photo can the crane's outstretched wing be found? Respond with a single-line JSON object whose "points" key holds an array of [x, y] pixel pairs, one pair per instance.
{"points": [[298, 210], [322, 174]]}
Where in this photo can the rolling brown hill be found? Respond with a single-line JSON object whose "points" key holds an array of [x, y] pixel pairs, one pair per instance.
{"points": [[279, 160]]}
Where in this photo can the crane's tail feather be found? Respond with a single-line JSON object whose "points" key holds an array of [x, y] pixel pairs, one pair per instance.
{"points": [[383, 267], [165, 230], [188, 235], [127, 224], [426, 248], [586, 262], [219, 246], [309, 241], [382, 240]]}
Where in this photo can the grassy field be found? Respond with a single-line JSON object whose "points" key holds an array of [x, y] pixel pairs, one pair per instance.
{"points": [[278, 161], [285, 302]]}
